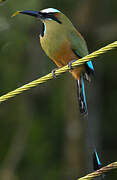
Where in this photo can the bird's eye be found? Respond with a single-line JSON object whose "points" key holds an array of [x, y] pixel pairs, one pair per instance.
{"points": [[54, 16]]}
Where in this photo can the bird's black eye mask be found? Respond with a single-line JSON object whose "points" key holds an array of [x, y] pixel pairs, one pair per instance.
{"points": [[49, 16], [39, 14]]}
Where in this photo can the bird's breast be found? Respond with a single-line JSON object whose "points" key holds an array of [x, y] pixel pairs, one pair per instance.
{"points": [[58, 49]]}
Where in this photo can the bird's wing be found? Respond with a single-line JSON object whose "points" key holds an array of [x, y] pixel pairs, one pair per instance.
{"points": [[79, 46]]}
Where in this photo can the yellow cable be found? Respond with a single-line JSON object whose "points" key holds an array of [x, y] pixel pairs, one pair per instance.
{"points": [[99, 172], [57, 73]]}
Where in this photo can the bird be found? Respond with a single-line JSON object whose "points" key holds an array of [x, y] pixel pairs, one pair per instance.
{"points": [[63, 44]]}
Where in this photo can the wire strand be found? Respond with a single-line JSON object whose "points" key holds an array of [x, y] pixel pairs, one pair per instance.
{"points": [[57, 72], [99, 172]]}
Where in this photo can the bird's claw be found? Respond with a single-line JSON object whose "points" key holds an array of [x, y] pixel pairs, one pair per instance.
{"points": [[53, 72], [70, 64]]}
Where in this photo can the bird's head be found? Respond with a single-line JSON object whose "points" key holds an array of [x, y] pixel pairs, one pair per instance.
{"points": [[52, 20], [48, 16], [44, 15]]}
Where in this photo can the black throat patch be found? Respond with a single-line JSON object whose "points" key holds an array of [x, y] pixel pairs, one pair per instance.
{"points": [[42, 29]]}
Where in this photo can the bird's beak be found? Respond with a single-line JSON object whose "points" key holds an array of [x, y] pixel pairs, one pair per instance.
{"points": [[28, 12]]}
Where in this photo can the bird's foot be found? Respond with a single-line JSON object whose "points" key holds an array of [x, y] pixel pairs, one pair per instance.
{"points": [[53, 72], [70, 64]]}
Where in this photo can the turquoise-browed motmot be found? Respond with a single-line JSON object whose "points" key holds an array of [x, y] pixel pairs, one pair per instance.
{"points": [[63, 44]]}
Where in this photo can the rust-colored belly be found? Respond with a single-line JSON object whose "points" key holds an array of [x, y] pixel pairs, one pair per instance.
{"points": [[64, 56]]}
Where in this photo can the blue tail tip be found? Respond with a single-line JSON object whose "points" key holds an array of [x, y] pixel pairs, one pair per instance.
{"points": [[96, 161]]}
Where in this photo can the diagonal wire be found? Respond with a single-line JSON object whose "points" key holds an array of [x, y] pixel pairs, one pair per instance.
{"points": [[99, 172], [57, 73]]}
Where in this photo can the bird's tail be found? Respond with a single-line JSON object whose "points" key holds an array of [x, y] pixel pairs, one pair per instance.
{"points": [[81, 96], [96, 161]]}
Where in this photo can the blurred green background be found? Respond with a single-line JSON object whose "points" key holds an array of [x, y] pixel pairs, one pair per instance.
{"points": [[41, 133]]}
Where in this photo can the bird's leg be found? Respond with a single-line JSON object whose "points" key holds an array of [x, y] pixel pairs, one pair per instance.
{"points": [[53, 72], [70, 64]]}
